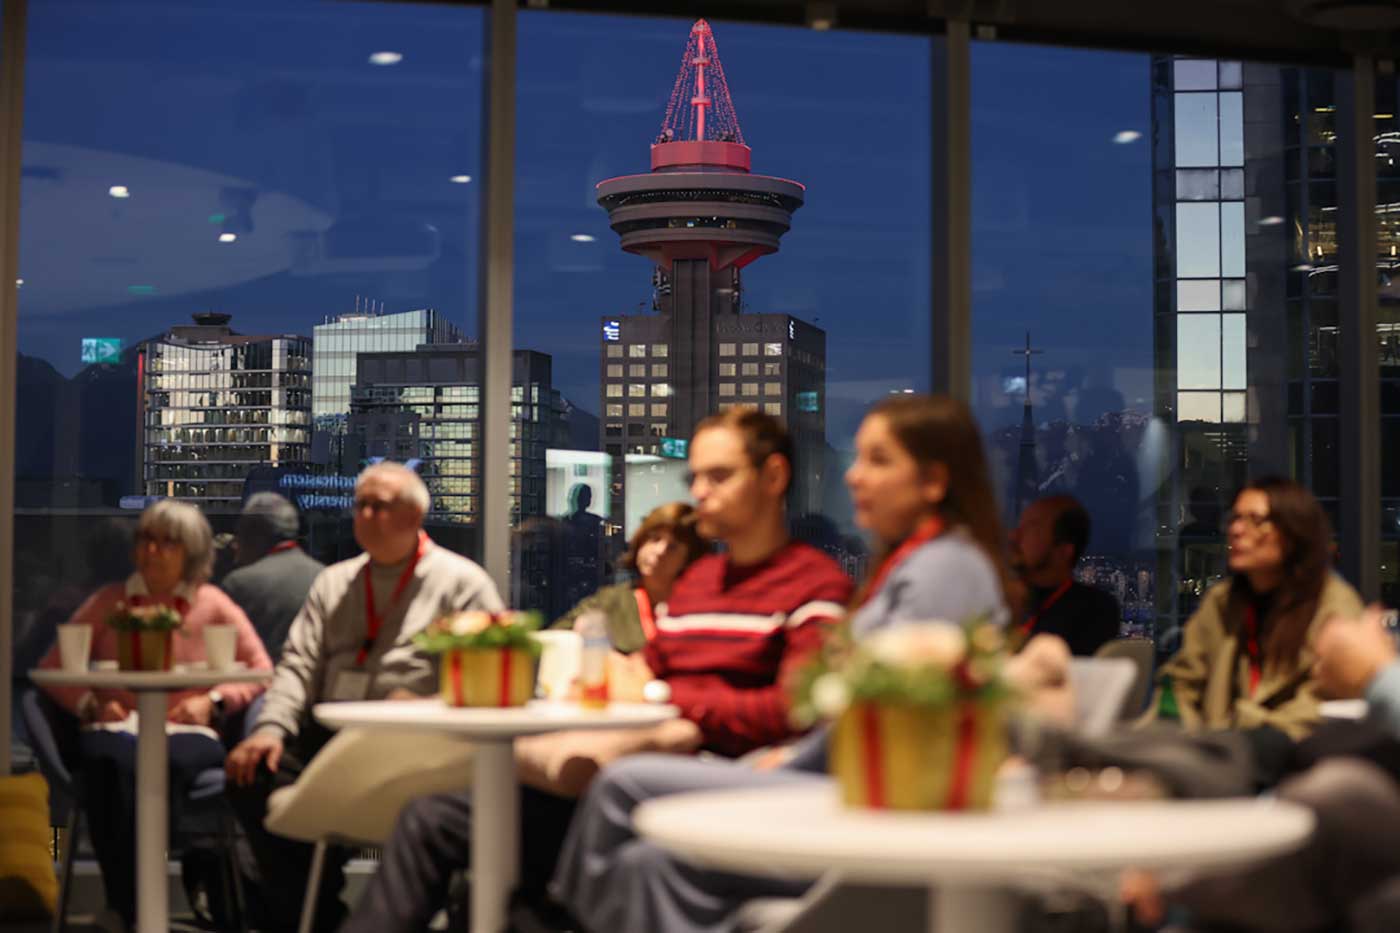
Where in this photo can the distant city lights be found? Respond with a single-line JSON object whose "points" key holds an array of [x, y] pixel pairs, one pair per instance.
{"points": [[386, 58], [583, 237], [1273, 220], [119, 191], [460, 179], [1126, 136], [227, 237]]}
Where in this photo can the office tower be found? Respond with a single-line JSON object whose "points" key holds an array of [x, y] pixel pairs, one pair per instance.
{"points": [[423, 406], [339, 340], [1246, 348], [701, 216], [212, 404]]}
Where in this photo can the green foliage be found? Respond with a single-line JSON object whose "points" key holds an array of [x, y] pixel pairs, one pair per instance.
{"points": [[148, 618], [504, 630]]}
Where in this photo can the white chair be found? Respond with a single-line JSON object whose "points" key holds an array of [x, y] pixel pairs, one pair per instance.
{"points": [[353, 789], [1101, 687], [1143, 653]]}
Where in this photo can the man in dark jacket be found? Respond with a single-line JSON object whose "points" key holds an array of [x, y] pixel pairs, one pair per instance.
{"points": [[1045, 546], [274, 574]]}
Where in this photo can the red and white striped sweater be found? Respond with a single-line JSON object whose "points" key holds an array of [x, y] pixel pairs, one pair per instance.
{"points": [[729, 636]]}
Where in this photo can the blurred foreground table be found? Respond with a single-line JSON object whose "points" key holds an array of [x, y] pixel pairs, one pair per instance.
{"points": [[152, 766], [971, 860], [495, 793]]}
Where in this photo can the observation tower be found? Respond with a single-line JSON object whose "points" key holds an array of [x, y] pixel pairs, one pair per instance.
{"points": [[701, 216]]}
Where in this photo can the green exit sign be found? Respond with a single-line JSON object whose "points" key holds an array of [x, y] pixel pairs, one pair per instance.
{"points": [[102, 349], [675, 447]]}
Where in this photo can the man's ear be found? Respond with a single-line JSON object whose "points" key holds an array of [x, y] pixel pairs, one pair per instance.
{"points": [[776, 475]]}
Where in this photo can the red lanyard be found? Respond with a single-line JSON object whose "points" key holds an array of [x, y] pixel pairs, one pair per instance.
{"points": [[644, 611], [1251, 646], [373, 621], [926, 531], [1054, 597], [284, 546]]}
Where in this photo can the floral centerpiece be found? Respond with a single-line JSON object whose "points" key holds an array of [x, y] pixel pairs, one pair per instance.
{"points": [[920, 714], [145, 635], [488, 658]]}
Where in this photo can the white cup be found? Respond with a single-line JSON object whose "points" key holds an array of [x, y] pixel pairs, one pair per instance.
{"points": [[220, 646], [74, 646]]}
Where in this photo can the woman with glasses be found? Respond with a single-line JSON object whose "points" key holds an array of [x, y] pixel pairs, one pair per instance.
{"points": [[174, 555], [1246, 655]]}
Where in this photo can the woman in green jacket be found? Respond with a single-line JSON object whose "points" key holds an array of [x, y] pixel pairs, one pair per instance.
{"points": [[1246, 656], [661, 548]]}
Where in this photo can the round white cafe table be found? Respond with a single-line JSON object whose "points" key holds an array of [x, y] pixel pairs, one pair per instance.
{"points": [[495, 793], [152, 766], [972, 860]]}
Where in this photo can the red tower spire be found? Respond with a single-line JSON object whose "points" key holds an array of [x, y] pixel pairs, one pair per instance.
{"points": [[700, 108]]}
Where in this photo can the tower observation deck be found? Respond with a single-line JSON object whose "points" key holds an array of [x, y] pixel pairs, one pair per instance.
{"points": [[701, 216]]}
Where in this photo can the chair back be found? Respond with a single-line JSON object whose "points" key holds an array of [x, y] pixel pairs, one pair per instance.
{"points": [[559, 662], [1101, 686], [1143, 653], [47, 726]]}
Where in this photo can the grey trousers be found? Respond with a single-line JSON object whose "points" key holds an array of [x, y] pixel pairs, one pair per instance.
{"points": [[1347, 876], [614, 881]]}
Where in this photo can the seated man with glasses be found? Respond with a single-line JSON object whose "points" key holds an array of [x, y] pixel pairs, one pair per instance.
{"points": [[352, 640], [734, 626]]}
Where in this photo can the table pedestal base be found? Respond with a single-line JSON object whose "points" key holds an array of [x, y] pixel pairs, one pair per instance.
{"points": [[495, 834], [963, 909], [152, 813]]}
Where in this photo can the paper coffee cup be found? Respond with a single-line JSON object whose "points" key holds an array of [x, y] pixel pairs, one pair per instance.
{"points": [[220, 646], [74, 646]]}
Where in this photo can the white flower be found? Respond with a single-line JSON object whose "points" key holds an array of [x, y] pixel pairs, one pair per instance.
{"points": [[469, 623], [917, 644], [830, 695]]}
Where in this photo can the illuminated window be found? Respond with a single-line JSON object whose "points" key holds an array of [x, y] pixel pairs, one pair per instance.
{"points": [[726, 349], [726, 388]]}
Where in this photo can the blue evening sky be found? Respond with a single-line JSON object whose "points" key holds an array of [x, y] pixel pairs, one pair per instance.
{"points": [[265, 118]]}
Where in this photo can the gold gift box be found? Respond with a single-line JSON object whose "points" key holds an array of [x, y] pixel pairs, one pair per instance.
{"points": [[145, 651], [487, 677], [888, 756]]}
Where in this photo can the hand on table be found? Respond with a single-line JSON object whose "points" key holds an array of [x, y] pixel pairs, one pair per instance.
{"points": [[1350, 652], [110, 711], [242, 763], [1141, 893], [627, 675], [195, 710]]}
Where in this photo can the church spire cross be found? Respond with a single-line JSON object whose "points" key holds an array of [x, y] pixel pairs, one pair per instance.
{"points": [[1028, 352]]}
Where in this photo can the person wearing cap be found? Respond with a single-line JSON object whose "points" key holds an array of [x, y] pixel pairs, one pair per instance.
{"points": [[274, 574]]}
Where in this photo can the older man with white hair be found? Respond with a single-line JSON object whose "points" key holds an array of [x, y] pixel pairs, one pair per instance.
{"points": [[352, 640]]}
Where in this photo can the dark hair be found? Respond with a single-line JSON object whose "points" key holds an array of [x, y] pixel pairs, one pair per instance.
{"points": [[678, 518], [763, 434], [941, 429], [1071, 524], [1307, 544]]}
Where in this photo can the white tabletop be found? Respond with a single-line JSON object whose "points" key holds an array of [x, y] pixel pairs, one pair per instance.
{"points": [[137, 681], [489, 722], [804, 830]]}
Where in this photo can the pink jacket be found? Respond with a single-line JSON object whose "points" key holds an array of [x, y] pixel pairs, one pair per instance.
{"points": [[209, 606]]}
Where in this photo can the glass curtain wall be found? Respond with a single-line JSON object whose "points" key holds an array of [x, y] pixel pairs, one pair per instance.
{"points": [[227, 210], [835, 319]]}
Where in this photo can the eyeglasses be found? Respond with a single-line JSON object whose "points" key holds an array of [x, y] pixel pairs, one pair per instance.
{"points": [[1253, 519], [717, 476], [146, 538], [375, 506]]}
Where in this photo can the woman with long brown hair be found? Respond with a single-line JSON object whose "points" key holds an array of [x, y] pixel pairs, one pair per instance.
{"points": [[1246, 658]]}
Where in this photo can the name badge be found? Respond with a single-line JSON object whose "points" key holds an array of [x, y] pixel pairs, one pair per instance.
{"points": [[350, 685]]}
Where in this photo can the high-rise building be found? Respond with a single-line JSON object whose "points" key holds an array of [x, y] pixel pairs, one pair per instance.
{"points": [[1246, 347], [212, 404], [701, 216], [338, 341], [423, 406]]}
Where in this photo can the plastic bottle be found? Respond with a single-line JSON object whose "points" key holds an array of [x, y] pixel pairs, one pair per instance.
{"points": [[592, 627]]}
